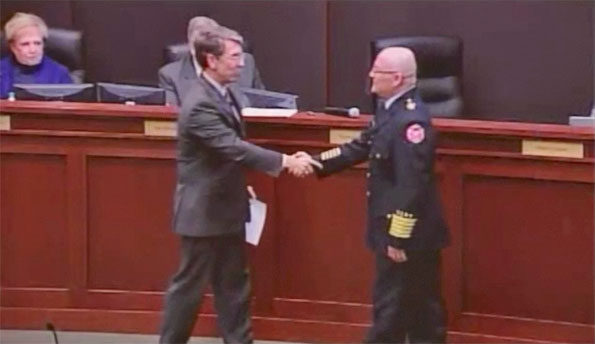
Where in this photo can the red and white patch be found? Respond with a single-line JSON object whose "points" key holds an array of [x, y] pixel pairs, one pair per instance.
{"points": [[415, 133]]}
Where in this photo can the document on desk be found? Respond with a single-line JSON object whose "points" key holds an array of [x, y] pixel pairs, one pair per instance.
{"points": [[254, 228], [265, 112]]}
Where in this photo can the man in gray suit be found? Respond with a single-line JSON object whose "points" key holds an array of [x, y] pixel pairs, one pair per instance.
{"points": [[211, 202], [177, 78]]}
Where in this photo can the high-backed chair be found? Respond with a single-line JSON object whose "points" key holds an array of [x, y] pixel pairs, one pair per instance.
{"points": [[439, 70], [64, 46]]}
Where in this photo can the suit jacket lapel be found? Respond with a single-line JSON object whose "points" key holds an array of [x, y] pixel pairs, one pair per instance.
{"points": [[223, 107]]}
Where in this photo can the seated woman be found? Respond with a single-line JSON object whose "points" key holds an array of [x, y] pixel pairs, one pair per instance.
{"points": [[25, 34]]}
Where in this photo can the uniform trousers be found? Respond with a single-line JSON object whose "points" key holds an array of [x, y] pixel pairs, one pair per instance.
{"points": [[407, 300], [221, 262]]}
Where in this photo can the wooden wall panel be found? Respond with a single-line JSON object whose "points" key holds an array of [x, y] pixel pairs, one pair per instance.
{"points": [[287, 38], [322, 216], [33, 206], [517, 65], [524, 248], [130, 243], [510, 62], [56, 13]]}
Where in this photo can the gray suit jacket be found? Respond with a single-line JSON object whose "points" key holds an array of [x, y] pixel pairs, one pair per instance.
{"points": [[211, 197], [178, 77]]}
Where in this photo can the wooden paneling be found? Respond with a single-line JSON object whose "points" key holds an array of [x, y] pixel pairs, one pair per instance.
{"points": [[93, 250], [524, 248], [510, 66], [129, 240], [319, 49], [56, 13], [275, 30], [33, 205], [323, 216]]}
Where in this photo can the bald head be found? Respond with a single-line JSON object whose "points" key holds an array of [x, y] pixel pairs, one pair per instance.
{"points": [[394, 69], [398, 59]]}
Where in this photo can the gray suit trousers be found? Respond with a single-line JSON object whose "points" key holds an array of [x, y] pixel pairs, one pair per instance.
{"points": [[221, 261]]}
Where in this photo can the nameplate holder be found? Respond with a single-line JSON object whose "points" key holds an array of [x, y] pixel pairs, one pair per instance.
{"points": [[4, 122], [340, 136], [558, 149], [160, 128]]}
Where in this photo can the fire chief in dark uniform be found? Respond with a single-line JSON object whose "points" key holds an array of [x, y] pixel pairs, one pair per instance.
{"points": [[405, 225]]}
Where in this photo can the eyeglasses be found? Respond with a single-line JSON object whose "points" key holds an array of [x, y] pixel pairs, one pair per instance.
{"points": [[376, 71]]}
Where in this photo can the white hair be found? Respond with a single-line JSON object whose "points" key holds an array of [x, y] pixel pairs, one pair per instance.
{"points": [[22, 20], [198, 25]]}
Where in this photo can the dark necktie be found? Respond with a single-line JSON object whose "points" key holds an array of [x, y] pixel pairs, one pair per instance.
{"points": [[232, 105]]}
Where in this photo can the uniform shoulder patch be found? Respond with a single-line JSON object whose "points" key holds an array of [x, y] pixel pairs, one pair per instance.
{"points": [[415, 133]]}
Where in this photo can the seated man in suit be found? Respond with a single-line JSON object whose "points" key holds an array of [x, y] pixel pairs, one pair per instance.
{"points": [[27, 64], [178, 77]]}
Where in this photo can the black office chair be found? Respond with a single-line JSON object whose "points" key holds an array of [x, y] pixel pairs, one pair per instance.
{"points": [[176, 51], [64, 46], [439, 70]]}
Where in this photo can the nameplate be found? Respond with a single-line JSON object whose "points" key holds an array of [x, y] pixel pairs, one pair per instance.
{"points": [[340, 136], [553, 148], [4, 122], [160, 128]]}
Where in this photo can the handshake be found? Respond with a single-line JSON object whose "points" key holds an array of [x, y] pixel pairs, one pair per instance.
{"points": [[300, 164]]}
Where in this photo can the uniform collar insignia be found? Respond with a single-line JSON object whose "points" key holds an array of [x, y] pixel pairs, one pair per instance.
{"points": [[410, 104]]}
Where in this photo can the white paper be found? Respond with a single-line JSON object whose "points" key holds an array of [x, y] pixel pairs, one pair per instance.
{"points": [[264, 112], [254, 228]]}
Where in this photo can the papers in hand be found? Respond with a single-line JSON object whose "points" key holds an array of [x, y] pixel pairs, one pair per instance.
{"points": [[264, 112], [254, 228]]}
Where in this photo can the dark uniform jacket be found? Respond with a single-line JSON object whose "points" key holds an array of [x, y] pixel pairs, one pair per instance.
{"points": [[403, 204], [211, 197]]}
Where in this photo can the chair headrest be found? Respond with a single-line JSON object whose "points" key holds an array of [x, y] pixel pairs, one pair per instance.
{"points": [[66, 47]]}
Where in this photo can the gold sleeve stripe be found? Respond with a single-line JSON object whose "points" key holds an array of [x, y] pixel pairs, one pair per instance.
{"points": [[401, 224], [330, 154]]}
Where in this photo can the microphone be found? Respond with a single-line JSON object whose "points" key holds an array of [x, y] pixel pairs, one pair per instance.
{"points": [[50, 327], [339, 111]]}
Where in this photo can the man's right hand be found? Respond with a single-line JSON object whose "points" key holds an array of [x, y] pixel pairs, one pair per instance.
{"points": [[298, 164]]}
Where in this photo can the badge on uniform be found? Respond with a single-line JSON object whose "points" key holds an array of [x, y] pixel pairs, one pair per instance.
{"points": [[410, 104], [415, 133]]}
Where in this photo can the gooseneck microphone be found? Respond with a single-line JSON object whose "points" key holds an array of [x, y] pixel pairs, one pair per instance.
{"points": [[339, 111], [50, 327]]}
